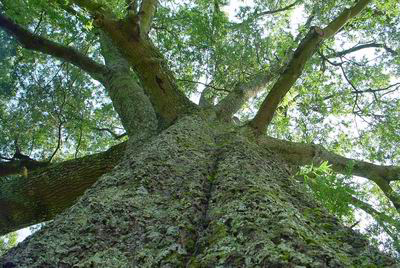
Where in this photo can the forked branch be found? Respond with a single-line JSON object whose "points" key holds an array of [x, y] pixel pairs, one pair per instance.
{"points": [[296, 65]]}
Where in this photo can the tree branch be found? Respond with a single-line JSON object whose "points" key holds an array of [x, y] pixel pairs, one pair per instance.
{"points": [[269, 12], [334, 26], [296, 65], [360, 47], [49, 190], [370, 90], [230, 104], [37, 43], [379, 216], [146, 13], [115, 135], [205, 99], [306, 154], [157, 79], [132, 6], [128, 97], [204, 84]]}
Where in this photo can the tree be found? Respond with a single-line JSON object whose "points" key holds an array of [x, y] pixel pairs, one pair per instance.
{"points": [[208, 184]]}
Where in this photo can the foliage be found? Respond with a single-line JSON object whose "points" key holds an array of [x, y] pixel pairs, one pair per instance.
{"points": [[332, 190]]}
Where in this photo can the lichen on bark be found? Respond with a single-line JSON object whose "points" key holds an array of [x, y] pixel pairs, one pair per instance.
{"points": [[196, 195]]}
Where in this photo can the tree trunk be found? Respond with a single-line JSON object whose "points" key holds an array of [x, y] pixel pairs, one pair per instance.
{"points": [[200, 194]]}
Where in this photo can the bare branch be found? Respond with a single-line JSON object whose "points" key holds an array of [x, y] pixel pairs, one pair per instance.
{"points": [[37, 43], [5, 158], [286, 80], [370, 90], [229, 105], [379, 216], [360, 47], [296, 65], [204, 84], [58, 141], [269, 12]]}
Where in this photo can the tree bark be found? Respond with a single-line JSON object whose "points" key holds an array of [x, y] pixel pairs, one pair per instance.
{"points": [[129, 100], [45, 192], [200, 194]]}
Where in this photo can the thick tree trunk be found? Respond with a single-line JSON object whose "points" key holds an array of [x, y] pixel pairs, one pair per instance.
{"points": [[197, 195]]}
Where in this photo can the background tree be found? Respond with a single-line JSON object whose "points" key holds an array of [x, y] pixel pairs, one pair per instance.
{"points": [[98, 91]]}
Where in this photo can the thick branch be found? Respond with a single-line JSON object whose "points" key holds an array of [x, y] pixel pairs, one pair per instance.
{"points": [[135, 46], [157, 80], [129, 100], [146, 13], [344, 17], [229, 105], [306, 154], [41, 44], [286, 80], [296, 65], [49, 190]]}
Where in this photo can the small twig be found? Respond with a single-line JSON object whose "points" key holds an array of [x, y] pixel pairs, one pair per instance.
{"points": [[207, 85], [79, 140], [40, 21], [354, 225], [58, 142], [5, 158], [270, 12]]}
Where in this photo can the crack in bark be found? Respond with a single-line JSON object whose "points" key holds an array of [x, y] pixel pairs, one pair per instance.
{"points": [[208, 188]]}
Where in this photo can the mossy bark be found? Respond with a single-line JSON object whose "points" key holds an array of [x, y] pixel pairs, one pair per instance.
{"points": [[197, 195]]}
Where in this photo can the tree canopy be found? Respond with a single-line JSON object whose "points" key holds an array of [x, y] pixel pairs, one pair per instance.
{"points": [[317, 79]]}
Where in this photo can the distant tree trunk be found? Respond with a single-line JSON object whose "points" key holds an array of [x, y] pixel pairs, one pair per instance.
{"points": [[199, 194]]}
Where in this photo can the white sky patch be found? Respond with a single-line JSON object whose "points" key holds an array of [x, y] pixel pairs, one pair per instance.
{"points": [[23, 233]]}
